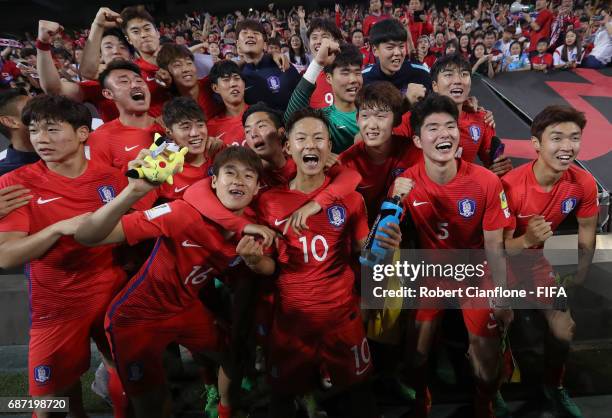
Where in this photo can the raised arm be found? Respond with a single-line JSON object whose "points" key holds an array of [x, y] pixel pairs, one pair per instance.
{"points": [[105, 19]]}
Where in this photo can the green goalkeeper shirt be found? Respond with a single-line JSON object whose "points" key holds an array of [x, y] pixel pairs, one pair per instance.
{"points": [[343, 125]]}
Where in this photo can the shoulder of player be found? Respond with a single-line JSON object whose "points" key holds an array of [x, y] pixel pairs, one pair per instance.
{"points": [[27, 175], [580, 176], [369, 70], [105, 128], [480, 174], [351, 153]]}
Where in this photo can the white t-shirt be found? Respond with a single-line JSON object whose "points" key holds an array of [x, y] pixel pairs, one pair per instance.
{"points": [[572, 55], [603, 46]]}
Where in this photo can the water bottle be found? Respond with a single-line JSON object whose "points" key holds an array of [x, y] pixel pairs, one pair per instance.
{"points": [[391, 211]]}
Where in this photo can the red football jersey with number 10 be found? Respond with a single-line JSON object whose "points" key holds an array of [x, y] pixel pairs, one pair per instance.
{"points": [[316, 280], [69, 280], [454, 215]]}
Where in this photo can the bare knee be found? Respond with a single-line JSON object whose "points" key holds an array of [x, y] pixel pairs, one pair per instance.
{"points": [[561, 325], [484, 358]]}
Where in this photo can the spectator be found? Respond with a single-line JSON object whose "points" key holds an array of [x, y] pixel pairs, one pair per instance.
{"points": [[540, 26], [297, 54], [374, 17], [451, 47], [601, 55], [568, 55], [503, 44], [517, 60], [464, 46], [20, 151], [481, 61], [542, 60]]}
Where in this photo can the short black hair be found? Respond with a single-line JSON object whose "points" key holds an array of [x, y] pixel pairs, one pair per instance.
{"points": [[326, 25], [544, 39], [244, 155], [27, 52], [171, 52], [116, 32], [349, 55], [433, 103], [223, 68], [118, 64], [304, 113], [8, 101], [179, 109], [553, 115], [275, 116], [388, 30], [454, 60], [382, 95], [274, 41], [254, 25], [135, 12], [56, 108]]}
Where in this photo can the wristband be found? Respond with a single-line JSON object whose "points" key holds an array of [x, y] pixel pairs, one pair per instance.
{"points": [[42, 46], [313, 71]]}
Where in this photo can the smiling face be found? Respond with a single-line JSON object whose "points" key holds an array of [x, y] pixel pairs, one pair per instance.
{"points": [[56, 142], [357, 39], [515, 49], [570, 38], [391, 56], [438, 138], [128, 90], [375, 125], [183, 72], [479, 51], [559, 145], [316, 37], [189, 133], [112, 48], [143, 35], [262, 136], [296, 42], [346, 82], [309, 146], [235, 185], [454, 83], [231, 88]]}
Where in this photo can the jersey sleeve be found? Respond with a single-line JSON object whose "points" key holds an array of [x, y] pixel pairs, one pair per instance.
{"points": [[300, 98], [99, 149], [512, 203], [496, 210], [404, 129], [19, 219], [344, 180], [484, 152], [359, 220], [161, 221], [588, 206]]}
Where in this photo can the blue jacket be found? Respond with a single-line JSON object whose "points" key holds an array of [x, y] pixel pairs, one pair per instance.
{"points": [[266, 82]]}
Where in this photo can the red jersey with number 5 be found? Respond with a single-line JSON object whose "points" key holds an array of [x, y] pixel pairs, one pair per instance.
{"points": [[454, 215], [316, 282]]}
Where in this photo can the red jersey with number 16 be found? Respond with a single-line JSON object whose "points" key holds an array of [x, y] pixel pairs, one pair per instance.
{"points": [[454, 215], [315, 282]]}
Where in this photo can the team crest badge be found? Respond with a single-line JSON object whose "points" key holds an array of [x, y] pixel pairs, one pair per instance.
{"points": [[273, 83], [467, 208], [107, 193], [568, 205], [396, 172], [210, 171], [42, 374], [135, 371], [336, 215], [474, 132]]}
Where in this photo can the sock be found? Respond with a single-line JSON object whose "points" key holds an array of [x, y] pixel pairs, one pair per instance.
{"points": [[117, 394], [224, 411]]}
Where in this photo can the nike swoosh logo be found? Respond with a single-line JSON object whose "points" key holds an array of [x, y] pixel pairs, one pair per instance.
{"points": [[186, 243], [180, 189], [415, 203], [42, 201], [491, 326], [131, 148], [247, 87], [277, 222], [341, 127], [526, 216], [150, 78]]}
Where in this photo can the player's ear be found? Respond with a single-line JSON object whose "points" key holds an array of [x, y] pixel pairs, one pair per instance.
{"points": [[9, 121], [328, 77], [82, 133], [434, 86], [215, 87], [536, 143], [213, 182], [417, 141], [107, 94], [375, 51]]}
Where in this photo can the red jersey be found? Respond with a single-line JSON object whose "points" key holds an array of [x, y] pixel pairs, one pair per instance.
{"points": [[189, 252], [117, 144], [474, 135], [368, 56], [454, 215], [377, 178], [92, 93], [159, 94], [545, 58], [228, 128], [371, 20], [190, 175], [316, 281], [419, 28], [69, 280], [544, 20], [322, 96], [206, 100], [576, 191]]}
